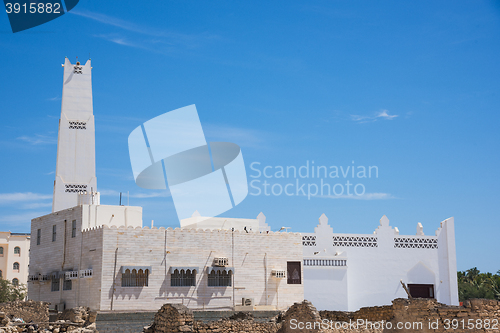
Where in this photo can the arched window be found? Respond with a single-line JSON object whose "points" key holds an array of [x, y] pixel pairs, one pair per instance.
{"points": [[15, 282], [17, 250], [135, 278], [15, 266], [183, 278], [219, 278], [1, 251]]}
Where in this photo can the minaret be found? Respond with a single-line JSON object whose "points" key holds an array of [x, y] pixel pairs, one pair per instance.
{"points": [[75, 170]]}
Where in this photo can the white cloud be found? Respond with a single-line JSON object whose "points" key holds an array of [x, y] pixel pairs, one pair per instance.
{"points": [[157, 40], [383, 114], [23, 217], [241, 136], [38, 139], [9, 198]]}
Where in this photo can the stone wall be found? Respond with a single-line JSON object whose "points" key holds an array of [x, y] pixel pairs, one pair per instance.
{"points": [[435, 317], [374, 313], [173, 318]]}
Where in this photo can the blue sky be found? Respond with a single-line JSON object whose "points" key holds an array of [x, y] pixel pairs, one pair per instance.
{"points": [[409, 87]]}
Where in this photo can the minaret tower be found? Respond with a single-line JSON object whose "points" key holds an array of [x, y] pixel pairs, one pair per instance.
{"points": [[75, 171]]}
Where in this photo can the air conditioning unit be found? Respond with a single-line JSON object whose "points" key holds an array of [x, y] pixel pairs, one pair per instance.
{"points": [[71, 275], [42, 278], [221, 261], [86, 273], [247, 301], [278, 273]]}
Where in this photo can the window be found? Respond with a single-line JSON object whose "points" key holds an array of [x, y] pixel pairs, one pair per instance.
{"points": [[38, 236], [16, 266], [421, 290], [17, 250], [183, 278], [73, 229], [15, 282], [220, 278], [67, 284], [54, 285], [54, 229], [135, 278], [293, 272], [1, 275], [1, 251]]}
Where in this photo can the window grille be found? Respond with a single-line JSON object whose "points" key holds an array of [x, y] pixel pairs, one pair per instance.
{"points": [[15, 282], [75, 188], [17, 250], [183, 278], [15, 266], [415, 243], [78, 69], [77, 125], [54, 285], [220, 278], [67, 284], [309, 240], [135, 278], [355, 241]]}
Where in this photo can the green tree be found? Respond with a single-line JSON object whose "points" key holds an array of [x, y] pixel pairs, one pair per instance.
{"points": [[474, 284], [10, 293]]}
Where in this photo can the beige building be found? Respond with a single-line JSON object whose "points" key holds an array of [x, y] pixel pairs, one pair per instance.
{"points": [[14, 256], [114, 267]]}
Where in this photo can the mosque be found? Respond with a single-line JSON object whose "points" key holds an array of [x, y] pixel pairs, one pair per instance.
{"points": [[101, 256]]}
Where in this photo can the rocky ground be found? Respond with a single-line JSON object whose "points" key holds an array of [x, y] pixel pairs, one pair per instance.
{"points": [[33, 317]]}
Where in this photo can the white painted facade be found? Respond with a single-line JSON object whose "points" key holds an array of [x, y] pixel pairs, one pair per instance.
{"points": [[75, 170], [106, 251], [14, 256], [350, 271]]}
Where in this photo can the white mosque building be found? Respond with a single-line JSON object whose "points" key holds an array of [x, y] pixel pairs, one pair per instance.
{"points": [[101, 256]]}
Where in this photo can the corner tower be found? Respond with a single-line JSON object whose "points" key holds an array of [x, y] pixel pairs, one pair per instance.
{"points": [[75, 170]]}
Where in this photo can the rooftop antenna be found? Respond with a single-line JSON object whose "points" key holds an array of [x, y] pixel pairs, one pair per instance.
{"points": [[77, 62], [120, 198]]}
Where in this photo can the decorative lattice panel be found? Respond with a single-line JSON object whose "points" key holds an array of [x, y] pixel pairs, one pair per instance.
{"points": [[77, 125], [415, 243], [309, 240], [325, 262], [75, 188], [77, 70], [355, 241]]}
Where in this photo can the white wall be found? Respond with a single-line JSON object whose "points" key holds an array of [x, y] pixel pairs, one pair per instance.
{"points": [[375, 265]]}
